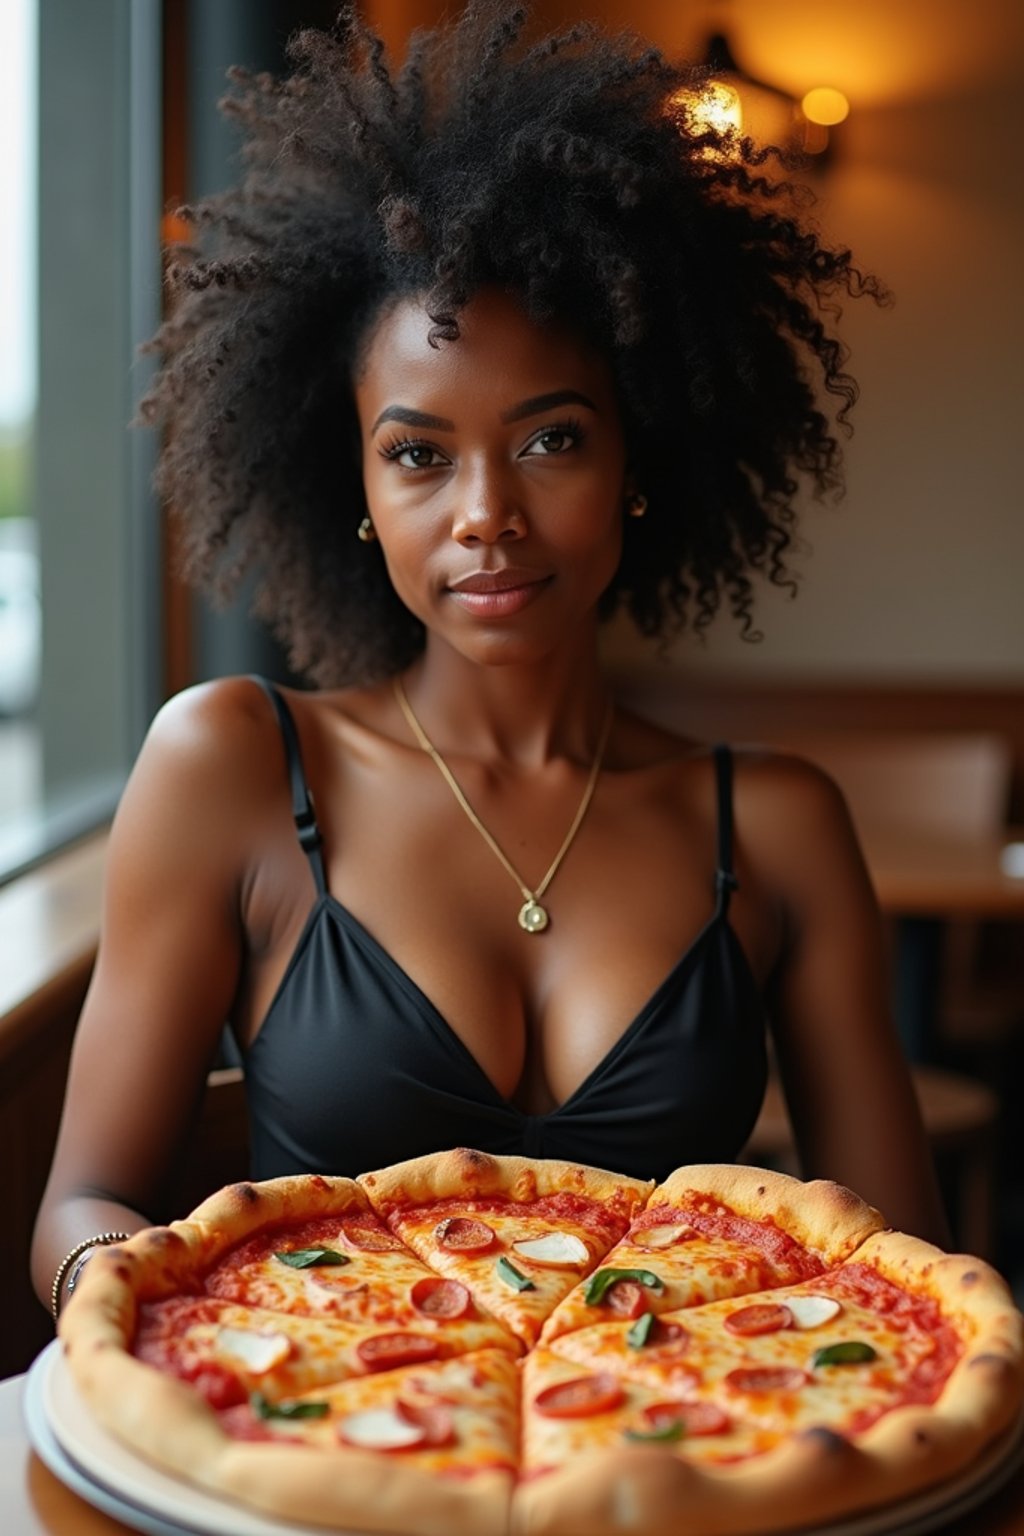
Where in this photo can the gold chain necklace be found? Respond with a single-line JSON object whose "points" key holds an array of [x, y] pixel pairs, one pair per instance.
{"points": [[533, 918]]}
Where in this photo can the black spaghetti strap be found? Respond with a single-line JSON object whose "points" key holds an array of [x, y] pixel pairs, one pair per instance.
{"points": [[725, 879], [302, 801]]}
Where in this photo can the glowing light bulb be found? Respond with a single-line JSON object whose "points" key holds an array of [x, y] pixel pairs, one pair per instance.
{"points": [[717, 106], [825, 106]]}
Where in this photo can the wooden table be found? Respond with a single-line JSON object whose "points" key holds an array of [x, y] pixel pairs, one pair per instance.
{"points": [[34, 1503], [925, 882]]}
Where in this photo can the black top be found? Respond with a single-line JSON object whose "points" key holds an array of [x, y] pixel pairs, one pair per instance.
{"points": [[354, 1068]]}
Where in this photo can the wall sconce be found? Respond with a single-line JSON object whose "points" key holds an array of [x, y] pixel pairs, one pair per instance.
{"points": [[734, 101]]}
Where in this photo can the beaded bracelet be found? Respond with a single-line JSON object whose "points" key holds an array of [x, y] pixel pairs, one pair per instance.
{"points": [[99, 1240]]}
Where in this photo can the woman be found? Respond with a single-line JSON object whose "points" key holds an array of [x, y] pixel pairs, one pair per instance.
{"points": [[475, 356]]}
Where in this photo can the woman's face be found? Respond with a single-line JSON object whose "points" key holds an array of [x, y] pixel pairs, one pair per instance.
{"points": [[494, 469]]}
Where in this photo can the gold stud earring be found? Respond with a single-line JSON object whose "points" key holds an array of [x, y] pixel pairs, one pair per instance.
{"points": [[366, 531], [636, 505]]}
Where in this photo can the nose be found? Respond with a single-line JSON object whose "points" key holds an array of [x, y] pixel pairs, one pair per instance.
{"points": [[488, 510]]}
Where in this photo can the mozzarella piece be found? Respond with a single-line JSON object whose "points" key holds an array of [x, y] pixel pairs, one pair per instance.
{"points": [[380, 1429], [552, 1248], [662, 1236], [812, 1311], [455, 1377], [258, 1352]]}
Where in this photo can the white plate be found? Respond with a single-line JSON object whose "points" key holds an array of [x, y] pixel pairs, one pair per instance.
{"points": [[108, 1475]]}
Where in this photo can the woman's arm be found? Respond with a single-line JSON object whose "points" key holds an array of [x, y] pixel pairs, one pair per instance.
{"points": [[847, 1084], [168, 968]]}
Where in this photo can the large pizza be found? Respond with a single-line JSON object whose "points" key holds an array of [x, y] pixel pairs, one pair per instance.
{"points": [[471, 1344]]}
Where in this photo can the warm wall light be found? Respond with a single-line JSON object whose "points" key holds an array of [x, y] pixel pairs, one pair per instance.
{"points": [[734, 102], [825, 106], [717, 106], [822, 109], [764, 111]]}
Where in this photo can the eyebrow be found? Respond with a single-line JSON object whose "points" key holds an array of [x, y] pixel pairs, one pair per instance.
{"points": [[410, 418], [547, 402], [531, 407]]}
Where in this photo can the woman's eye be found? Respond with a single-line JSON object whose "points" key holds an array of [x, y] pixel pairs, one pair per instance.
{"points": [[414, 455], [554, 440]]}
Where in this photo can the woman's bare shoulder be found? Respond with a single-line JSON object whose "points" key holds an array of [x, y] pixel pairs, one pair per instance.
{"points": [[793, 818], [211, 759]]}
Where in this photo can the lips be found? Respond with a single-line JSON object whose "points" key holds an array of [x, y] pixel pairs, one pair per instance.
{"points": [[503, 580], [500, 593]]}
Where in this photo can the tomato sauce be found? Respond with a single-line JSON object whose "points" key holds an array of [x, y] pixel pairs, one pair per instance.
{"points": [[558, 1210], [790, 1261]]}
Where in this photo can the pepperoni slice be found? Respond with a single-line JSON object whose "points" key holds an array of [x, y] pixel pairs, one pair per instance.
{"points": [[763, 1318], [435, 1420], [695, 1418], [665, 1335], [628, 1298], [435, 1297], [463, 1234], [371, 1239], [580, 1397], [767, 1378], [385, 1351]]}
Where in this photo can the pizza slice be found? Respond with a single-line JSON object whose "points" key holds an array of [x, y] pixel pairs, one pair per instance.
{"points": [[716, 1230], [573, 1407], [890, 1329], [433, 1447], [228, 1351], [349, 1266], [519, 1233]]}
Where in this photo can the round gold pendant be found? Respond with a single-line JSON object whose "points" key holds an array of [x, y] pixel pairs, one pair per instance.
{"points": [[532, 917]]}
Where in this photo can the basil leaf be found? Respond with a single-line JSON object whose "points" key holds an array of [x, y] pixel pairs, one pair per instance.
{"points": [[264, 1409], [665, 1435], [852, 1352], [602, 1280], [640, 1332], [511, 1276], [305, 1258]]}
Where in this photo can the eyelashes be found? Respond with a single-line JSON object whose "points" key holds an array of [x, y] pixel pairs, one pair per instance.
{"points": [[571, 429]]}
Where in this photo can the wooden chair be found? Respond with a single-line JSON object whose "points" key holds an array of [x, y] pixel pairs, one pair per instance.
{"points": [[946, 784], [937, 784]]}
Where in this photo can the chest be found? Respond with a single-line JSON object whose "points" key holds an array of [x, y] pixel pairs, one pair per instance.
{"points": [[536, 1012]]}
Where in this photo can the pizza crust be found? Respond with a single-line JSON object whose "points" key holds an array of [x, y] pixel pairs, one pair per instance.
{"points": [[466, 1174], [816, 1477], [827, 1218]]}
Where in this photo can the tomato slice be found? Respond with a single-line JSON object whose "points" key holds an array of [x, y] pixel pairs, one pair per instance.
{"points": [[696, 1418], [463, 1234], [580, 1397], [767, 1378], [371, 1239], [628, 1298], [435, 1297], [385, 1351], [764, 1317], [435, 1420]]}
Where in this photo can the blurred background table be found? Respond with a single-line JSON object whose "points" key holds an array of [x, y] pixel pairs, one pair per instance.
{"points": [[925, 881]]}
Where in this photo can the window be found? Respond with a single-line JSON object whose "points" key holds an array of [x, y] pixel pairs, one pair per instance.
{"points": [[81, 88]]}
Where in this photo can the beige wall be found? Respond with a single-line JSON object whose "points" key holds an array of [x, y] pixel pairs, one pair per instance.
{"points": [[919, 573]]}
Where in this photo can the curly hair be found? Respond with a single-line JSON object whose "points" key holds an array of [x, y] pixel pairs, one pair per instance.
{"points": [[571, 172]]}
